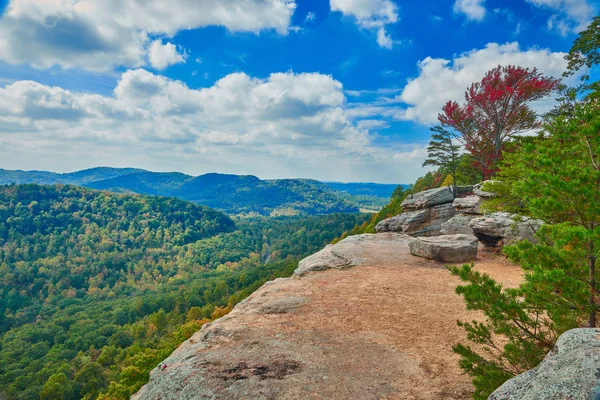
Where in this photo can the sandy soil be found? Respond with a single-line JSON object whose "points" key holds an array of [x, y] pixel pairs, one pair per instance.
{"points": [[382, 330]]}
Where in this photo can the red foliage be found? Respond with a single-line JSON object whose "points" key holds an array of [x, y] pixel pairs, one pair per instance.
{"points": [[496, 109]]}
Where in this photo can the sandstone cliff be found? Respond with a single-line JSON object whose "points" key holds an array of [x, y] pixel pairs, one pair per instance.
{"points": [[362, 319]]}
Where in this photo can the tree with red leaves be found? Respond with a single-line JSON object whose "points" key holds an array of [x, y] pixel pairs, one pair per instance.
{"points": [[496, 109]]}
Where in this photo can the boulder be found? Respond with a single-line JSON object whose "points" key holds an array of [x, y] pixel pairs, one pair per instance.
{"points": [[447, 248], [477, 190], [459, 224], [468, 205], [321, 261], [354, 251], [428, 198], [502, 228], [570, 371], [426, 222]]}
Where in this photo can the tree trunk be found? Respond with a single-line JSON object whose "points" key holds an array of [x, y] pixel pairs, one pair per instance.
{"points": [[592, 301]]}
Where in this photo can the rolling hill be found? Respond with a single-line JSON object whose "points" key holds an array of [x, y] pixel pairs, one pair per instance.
{"points": [[96, 288], [233, 194]]}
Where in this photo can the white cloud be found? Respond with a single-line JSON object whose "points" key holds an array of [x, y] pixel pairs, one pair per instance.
{"points": [[441, 80], [162, 55], [473, 9], [567, 15], [285, 125], [370, 14], [101, 35], [310, 17], [383, 39]]}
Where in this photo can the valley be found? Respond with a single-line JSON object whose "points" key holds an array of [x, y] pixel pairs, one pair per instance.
{"points": [[97, 287]]}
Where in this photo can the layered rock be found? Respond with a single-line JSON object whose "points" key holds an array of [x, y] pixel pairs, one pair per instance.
{"points": [[459, 224], [435, 212], [428, 198], [447, 248], [468, 205], [425, 222], [570, 371], [502, 228]]}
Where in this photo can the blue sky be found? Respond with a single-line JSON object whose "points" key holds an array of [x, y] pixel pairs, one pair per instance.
{"points": [[333, 90]]}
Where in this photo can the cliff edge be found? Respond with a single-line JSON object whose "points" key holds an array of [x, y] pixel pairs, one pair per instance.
{"points": [[362, 319]]}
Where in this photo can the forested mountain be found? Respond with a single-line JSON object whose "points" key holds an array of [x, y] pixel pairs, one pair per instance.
{"points": [[233, 194], [97, 288], [365, 188]]}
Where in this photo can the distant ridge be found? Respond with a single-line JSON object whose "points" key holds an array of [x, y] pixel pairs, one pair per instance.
{"points": [[365, 188], [233, 194]]}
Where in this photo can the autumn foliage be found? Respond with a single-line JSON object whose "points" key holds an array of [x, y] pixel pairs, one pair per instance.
{"points": [[496, 108]]}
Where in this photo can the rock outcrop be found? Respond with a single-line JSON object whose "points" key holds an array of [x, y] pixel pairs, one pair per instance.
{"points": [[382, 326], [349, 253], [459, 224], [570, 371], [428, 198], [468, 205], [435, 212], [447, 248], [426, 222], [501, 228]]}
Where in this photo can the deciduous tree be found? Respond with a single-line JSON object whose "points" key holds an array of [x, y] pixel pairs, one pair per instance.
{"points": [[496, 108]]}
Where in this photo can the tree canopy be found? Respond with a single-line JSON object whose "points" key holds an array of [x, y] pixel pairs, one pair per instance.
{"points": [[97, 288], [495, 109]]}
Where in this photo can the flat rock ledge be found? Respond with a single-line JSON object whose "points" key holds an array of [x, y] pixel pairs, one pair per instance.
{"points": [[350, 252], [248, 354], [448, 248], [428, 198], [570, 371]]}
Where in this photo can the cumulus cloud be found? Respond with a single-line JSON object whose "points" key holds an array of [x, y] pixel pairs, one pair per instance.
{"points": [[162, 55], [101, 35], [473, 9], [567, 15], [287, 124], [383, 39], [370, 14], [441, 80]]}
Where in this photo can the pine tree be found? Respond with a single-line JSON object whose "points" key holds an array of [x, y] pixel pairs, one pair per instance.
{"points": [[585, 54], [443, 153], [556, 178]]}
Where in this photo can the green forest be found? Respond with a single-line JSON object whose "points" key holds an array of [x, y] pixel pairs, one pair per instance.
{"points": [[234, 194], [97, 288]]}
